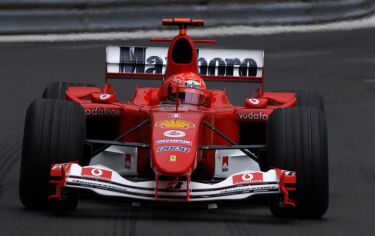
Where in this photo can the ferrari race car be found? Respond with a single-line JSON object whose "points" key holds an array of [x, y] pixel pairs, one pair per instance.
{"points": [[180, 142]]}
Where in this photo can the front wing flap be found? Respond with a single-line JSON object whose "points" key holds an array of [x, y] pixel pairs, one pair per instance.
{"points": [[105, 181]]}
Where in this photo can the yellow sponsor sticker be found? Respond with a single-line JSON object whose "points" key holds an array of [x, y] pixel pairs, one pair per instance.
{"points": [[172, 158], [175, 124]]}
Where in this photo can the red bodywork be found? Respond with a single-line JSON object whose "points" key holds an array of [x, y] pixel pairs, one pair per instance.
{"points": [[183, 122]]}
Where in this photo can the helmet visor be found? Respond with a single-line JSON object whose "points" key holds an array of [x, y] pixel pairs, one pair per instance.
{"points": [[189, 96]]}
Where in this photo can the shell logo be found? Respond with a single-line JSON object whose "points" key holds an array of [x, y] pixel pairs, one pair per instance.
{"points": [[175, 124]]}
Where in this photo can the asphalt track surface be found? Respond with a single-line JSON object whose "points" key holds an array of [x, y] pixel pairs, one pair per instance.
{"points": [[339, 65]]}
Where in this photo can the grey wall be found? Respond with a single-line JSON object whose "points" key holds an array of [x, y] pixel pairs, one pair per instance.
{"points": [[58, 16]]}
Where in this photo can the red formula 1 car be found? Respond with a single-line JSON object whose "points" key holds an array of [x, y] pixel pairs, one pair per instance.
{"points": [[180, 142]]}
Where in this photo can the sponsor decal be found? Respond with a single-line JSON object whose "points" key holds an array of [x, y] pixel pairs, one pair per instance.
{"points": [[179, 141], [172, 158], [128, 161], [248, 189], [102, 112], [175, 116], [59, 166], [108, 187], [174, 185], [289, 173], [144, 60], [177, 81], [192, 84], [176, 124], [104, 96], [254, 101], [253, 116], [174, 134], [255, 177], [171, 108], [173, 148], [96, 173], [225, 164]]}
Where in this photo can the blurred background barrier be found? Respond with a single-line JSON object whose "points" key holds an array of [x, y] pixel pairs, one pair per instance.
{"points": [[61, 16]]}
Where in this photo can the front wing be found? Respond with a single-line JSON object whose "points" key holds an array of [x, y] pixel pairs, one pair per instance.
{"points": [[107, 182]]}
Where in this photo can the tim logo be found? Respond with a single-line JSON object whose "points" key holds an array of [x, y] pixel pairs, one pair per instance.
{"points": [[138, 60], [128, 161], [225, 164]]}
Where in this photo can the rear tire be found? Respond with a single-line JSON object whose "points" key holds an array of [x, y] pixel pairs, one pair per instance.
{"points": [[297, 140], [56, 90], [54, 133]]}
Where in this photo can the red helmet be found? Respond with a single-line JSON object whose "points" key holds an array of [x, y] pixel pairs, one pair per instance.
{"points": [[188, 87]]}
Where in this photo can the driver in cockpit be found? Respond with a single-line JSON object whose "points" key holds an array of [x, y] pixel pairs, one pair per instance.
{"points": [[189, 88]]}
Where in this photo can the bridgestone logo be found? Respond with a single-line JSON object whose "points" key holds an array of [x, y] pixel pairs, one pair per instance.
{"points": [[249, 189], [102, 112], [108, 187], [253, 116]]}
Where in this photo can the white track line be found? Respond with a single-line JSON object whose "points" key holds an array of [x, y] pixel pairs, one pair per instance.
{"points": [[368, 22]]}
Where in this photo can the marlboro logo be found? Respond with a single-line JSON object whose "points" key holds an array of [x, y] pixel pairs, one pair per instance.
{"points": [[210, 62]]}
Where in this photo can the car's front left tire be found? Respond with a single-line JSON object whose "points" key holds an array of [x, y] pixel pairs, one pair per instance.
{"points": [[297, 141], [54, 133]]}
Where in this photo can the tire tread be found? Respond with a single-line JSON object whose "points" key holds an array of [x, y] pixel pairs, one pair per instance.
{"points": [[54, 133], [298, 142]]}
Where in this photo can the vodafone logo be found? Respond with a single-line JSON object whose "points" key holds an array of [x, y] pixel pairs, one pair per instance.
{"points": [[247, 177], [174, 134], [255, 177], [254, 101], [96, 173], [253, 116], [102, 112], [104, 96]]}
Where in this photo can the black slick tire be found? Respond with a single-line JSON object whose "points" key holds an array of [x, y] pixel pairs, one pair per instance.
{"points": [[307, 98], [54, 133], [297, 141], [56, 90]]}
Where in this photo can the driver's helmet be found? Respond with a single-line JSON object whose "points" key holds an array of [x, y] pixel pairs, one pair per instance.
{"points": [[188, 87]]}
